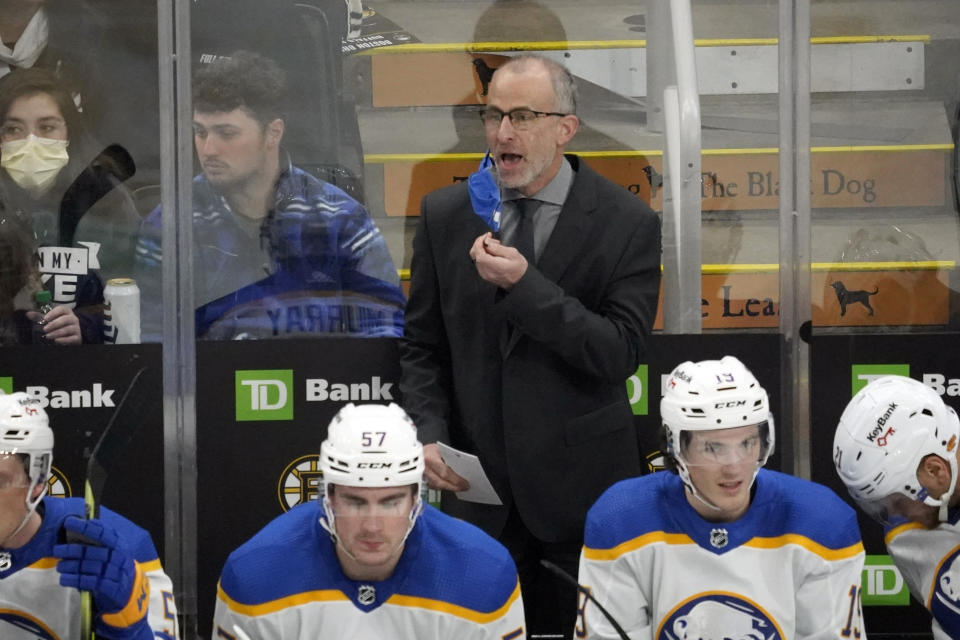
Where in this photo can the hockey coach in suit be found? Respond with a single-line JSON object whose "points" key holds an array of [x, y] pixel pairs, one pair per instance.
{"points": [[518, 344]]}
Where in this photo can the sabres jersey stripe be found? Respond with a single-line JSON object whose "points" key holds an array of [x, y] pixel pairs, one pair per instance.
{"points": [[150, 565], [631, 545], [735, 596], [50, 563], [893, 533], [452, 609], [758, 543], [791, 538], [323, 595], [44, 563]]}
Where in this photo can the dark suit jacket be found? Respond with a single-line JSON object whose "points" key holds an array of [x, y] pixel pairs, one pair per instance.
{"points": [[550, 420]]}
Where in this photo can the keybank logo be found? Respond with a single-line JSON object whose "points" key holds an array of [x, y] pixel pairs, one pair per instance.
{"points": [[863, 374], [882, 584], [638, 391], [264, 394], [6, 384]]}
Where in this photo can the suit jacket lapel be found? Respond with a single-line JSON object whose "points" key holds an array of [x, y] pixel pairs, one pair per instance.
{"points": [[566, 241], [573, 224]]}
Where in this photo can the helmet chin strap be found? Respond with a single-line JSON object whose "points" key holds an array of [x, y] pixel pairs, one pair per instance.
{"points": [[328, 522], [688, 483], [31, 509]]}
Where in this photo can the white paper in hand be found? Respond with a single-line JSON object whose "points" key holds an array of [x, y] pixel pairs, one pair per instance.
{"points": [[467, 466]]}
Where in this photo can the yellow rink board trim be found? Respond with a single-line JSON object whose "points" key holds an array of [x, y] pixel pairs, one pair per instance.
{"points": [[724, 269], [577, 45], [923, 265], [382, 158]]}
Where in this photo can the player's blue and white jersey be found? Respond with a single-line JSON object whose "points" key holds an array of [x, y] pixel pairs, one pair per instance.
{"points": [[34, 606], [452, 581], [788, 569], [928, 560]]}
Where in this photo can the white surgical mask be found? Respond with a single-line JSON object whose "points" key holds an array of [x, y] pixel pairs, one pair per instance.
{"points": [[33, 162]]}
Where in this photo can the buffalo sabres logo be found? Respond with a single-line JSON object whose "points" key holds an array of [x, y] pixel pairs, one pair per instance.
{"points": [[57, 484], [945, 603], [300, 482], [719, 538], [366, 594], [34, 629], [6, 560], [718, 616]]}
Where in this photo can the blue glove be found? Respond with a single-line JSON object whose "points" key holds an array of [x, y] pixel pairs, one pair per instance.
{"points": [[121, 591]]}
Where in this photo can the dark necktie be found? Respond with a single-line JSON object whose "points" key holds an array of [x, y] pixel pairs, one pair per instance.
{"points": [[523, 237]]}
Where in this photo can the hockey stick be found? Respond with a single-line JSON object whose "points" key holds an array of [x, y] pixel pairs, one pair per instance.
{"points": [[566, 577], [107, 449]]}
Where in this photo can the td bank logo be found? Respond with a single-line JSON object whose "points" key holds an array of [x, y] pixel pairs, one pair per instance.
{"points": [[863, 374], [637, 391], [264, 394], [881, 583], [6, 384]]}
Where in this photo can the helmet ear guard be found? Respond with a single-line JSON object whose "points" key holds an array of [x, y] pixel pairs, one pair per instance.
{"points": [[884, 433]]}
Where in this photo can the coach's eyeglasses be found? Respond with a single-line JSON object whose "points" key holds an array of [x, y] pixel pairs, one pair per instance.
{"points": [[520, 119]]}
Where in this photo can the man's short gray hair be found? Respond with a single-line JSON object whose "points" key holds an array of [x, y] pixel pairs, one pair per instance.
{"points": [[564, 86]]}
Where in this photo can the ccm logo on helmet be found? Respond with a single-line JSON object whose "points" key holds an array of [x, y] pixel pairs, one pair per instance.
{"points": [[374, 465], [729, 405], [882, 420]]}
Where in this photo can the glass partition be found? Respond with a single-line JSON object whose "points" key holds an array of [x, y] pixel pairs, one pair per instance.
{"points": [[885, 236]]}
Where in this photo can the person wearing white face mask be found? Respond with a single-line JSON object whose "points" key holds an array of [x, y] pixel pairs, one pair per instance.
{"points": [[33, 162], [67, 198]]}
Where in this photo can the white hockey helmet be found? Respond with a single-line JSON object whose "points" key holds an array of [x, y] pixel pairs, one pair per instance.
{"points": [[884, 433], [708, 395], [25, 431], [371, 445]]}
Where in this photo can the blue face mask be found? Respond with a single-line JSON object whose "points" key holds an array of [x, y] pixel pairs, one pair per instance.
{"points": [[485, 193]]}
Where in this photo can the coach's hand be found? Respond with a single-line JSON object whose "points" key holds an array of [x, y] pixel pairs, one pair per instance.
{"points": [[439, 475]]}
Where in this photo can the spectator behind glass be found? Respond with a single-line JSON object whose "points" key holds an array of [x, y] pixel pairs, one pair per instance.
{"points": [[19, 280], [277, 252], [55, 36], [68, 197]]}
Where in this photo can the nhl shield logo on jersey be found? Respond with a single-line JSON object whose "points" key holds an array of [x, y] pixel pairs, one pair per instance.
{"points": [[366, 594], [301, 481], [719, 538], [57, 485], [718, 616]]}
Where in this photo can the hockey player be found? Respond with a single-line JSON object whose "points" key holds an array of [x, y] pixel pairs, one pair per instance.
{"points": [[132, 596], [720, 548], [896, 450], [369, 560]]}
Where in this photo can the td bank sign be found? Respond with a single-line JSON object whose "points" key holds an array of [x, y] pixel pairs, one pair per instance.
{"points": [[268, 394], [264, 394]]}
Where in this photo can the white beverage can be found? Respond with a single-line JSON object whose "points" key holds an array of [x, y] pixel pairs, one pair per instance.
{"points": [[121, 313]]}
